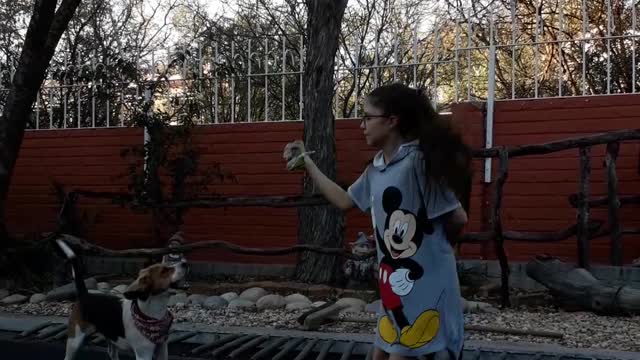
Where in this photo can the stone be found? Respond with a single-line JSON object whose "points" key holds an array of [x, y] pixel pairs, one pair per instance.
{"points": [[295, 306], [296, 298], [352, 309], [3, 293], [180, 298], [271, 301], [488, 289], [317, 304], [241, 303], [229, 296], [253, 294], [354, 305], [104, 286], [120, 289], [37, 298], [14, 299], [196, 299], [470, 307], [373, 307], [215, 302], [68, 291]]}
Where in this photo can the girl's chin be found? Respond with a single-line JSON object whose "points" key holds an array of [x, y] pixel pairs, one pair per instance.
{"points": [[369, 141]]}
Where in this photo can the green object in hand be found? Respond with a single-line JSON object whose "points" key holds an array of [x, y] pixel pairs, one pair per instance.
{"points": [[294, 153]]}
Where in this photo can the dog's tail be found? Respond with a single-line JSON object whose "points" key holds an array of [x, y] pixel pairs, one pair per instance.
{"points": [[81, 288]]}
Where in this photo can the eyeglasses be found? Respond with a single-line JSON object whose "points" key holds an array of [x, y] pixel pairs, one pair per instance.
{"points": [[366, 118]]}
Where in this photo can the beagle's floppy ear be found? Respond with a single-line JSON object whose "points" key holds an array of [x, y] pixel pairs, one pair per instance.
{"points": [[139, 289]]}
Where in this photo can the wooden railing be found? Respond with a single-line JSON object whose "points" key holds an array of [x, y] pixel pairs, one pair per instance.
{"points": [[585, 229]]}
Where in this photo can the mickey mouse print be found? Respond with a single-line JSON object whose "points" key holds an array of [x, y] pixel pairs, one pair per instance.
{"points": [[421, 310], [398, 272]]}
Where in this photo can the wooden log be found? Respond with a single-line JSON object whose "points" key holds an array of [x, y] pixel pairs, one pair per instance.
{"points": [[497, 227], [583, 208], [304, 315], [614, 204], [577, 289], [555, 146], [316, 319]]}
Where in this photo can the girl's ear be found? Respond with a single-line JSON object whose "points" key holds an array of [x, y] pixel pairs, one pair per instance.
{"points": [[393, 121]]}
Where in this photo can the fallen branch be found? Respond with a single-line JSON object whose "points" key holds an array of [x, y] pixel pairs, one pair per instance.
{"points": [[316, 319], [539, 333], [479, 328]]}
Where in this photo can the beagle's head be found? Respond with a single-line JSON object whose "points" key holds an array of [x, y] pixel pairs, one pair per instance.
{"points": [[156, 279]]}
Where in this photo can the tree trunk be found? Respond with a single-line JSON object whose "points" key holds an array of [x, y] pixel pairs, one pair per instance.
{"points": [[45, 29], [577, 289], [321, 225]]}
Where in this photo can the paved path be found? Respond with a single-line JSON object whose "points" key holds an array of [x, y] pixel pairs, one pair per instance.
{"points": [[10, 324]]}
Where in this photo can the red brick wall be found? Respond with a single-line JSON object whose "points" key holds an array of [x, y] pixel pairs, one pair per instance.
{"points": [[90, 159], [538, 186]]}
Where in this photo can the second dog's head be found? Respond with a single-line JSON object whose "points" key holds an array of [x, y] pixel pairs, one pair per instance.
{"points": [[156, 279]]}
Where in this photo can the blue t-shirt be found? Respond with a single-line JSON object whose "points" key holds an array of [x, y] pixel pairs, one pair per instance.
{"points": [[421, 310]]}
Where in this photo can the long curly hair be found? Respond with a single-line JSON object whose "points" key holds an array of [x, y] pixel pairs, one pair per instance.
{"points": [[447, 159]]}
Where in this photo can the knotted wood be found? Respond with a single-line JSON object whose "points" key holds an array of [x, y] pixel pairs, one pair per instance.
{"points": [[577, 289]]}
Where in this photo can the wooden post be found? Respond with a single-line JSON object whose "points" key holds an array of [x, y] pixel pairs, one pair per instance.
{"points": [[497, 227], [614, 204], [583, 208]]}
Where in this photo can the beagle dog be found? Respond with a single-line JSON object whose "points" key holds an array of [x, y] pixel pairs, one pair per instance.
{"points": [[140, 321]]}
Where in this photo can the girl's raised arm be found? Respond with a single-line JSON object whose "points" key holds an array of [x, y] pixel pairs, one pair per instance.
{"points": [[337, 196]]}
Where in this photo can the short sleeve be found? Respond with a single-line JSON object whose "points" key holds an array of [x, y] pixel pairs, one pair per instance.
{"points": [[360, 192], [438, 198]]}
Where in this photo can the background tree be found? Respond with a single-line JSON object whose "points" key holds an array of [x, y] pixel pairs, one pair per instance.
{"points": [[323, 225], [49, 20]]}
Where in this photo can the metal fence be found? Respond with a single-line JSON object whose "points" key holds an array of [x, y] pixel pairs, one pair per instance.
{"points": [[488, 51]]}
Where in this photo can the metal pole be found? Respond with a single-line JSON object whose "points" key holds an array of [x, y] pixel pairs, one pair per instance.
{"points": [[490, 100]]}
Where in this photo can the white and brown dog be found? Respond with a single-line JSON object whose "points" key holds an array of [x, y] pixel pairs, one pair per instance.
{"points": [[140, 321]]}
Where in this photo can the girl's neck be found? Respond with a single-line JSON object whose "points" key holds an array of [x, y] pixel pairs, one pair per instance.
{"points": [[391, 146]]}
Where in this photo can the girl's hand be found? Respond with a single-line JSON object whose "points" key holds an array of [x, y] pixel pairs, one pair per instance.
{"points": [[295, 155], [297, 158], [400, 282], [456, 221]]}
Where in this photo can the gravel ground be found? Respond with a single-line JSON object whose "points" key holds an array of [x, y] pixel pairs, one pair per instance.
{"points": [[580, 329]]}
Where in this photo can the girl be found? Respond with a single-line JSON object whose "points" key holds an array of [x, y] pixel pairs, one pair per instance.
{"points": [[410, 191]]}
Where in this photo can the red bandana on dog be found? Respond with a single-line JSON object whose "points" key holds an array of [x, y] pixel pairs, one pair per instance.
{"points": [[157, 331]]}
